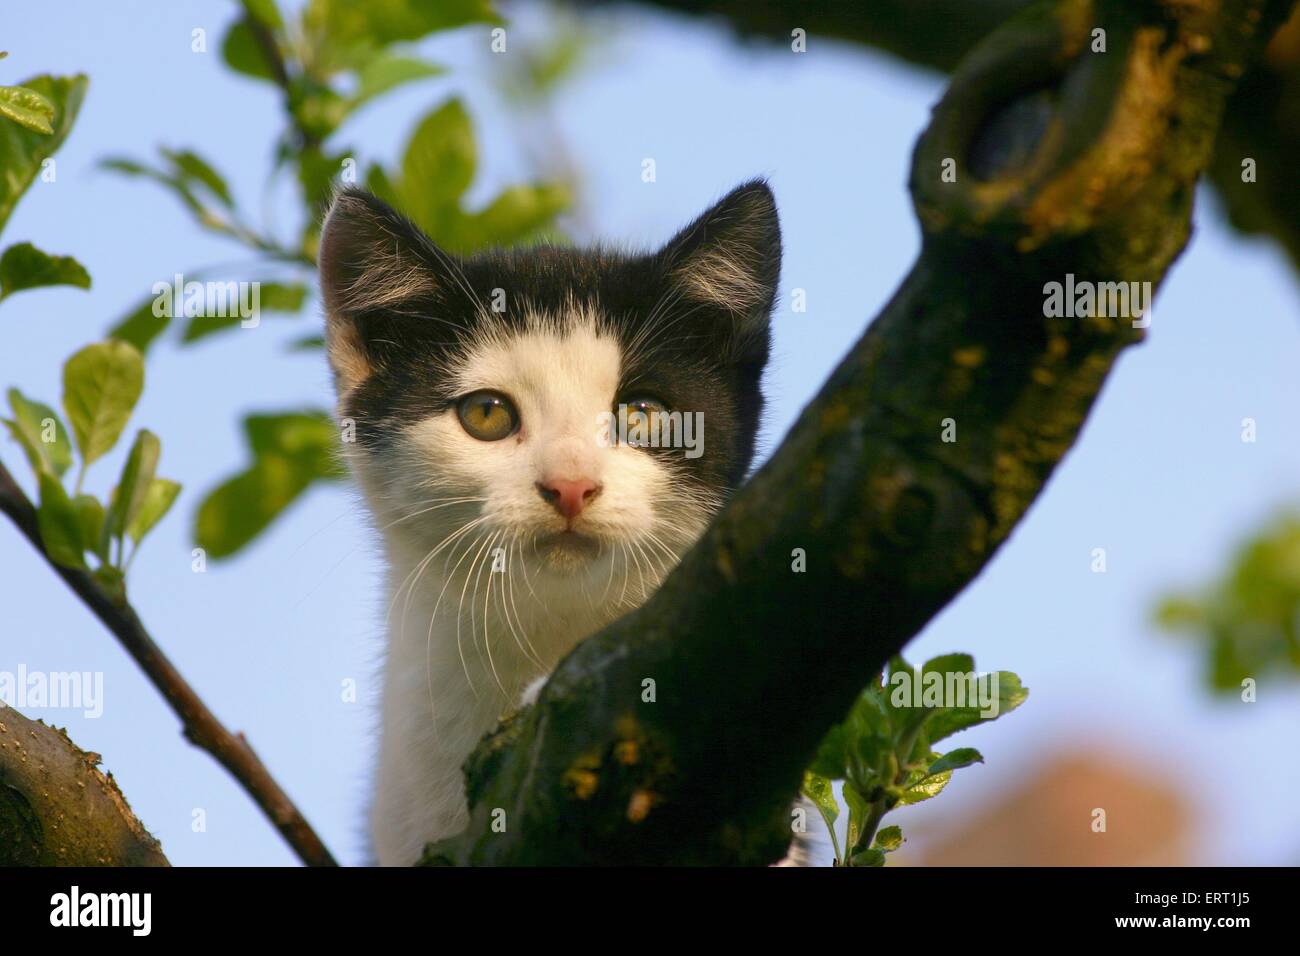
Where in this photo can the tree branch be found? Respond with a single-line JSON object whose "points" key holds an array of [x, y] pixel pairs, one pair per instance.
{"points": [[749, 662], [58, 809], [931, 33], [199, 724], [1262, 121]]}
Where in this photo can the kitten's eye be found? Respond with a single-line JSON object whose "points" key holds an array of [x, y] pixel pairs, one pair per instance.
{"points": [[488, 416], [645, 420]]}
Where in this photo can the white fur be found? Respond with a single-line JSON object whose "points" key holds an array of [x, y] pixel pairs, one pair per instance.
{"points": [[465, 641]]}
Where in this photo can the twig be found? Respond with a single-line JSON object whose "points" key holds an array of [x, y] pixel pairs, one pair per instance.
{"points": [[275, 61], [199, 724]]}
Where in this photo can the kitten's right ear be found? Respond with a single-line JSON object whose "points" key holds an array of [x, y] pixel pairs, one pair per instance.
{"points": [[375, 265], [730, 258]]}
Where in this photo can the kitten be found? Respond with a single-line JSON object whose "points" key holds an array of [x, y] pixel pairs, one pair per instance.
{"points": [[486, 394]]}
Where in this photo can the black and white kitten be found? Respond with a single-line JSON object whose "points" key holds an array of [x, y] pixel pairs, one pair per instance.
{"points": [[480, 392]]}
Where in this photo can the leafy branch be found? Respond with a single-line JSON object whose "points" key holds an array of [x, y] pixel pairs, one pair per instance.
{"points": [[1248, 619], [200, 726], [330, 61], [327, 62], [883, 751], [90, 541]]}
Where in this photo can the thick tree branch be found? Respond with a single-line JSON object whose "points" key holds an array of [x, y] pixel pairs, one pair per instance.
{"points": [[199, 724], [1088, 163], [57, 808], [1262, 121], [932, 33]]}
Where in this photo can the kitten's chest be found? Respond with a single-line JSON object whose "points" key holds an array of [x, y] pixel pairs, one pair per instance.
{"points": [[491, 631]]}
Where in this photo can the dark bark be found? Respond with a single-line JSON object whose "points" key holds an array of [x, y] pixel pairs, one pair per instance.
{"points": [[752, 662], [931, 33]]}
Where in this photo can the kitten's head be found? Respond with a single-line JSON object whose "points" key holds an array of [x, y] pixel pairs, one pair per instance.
{"points": [[486, 392]]}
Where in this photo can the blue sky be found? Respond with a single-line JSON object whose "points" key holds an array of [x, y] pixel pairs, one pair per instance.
{"points": [[1160, 478]]}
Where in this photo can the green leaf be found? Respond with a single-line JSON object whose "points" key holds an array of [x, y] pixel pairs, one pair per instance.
{"points": [[535, 75], [192, 167], [291, 451], [271, 297], [157, 502], [133, 486], [59, 524], [379, 183], [870, 714], [101, 385], [387, 71], [950, 664], [316, 109], [266, 13], [174, 182], [1246, 618], [316, 172], [27, 108], [33, 423], [377, 23], [23, 150], [518, 214], [438, 167], [955, 760], [128, 167], [925, 787], [1181, 612], [910, 711], [244, 505], [888, 839], [1010, 694], [868, 758], [859, 810], [23, 266], [818, 789], [90, 516], [244, 54], [868, 857], [142, 326], [308, 437]]}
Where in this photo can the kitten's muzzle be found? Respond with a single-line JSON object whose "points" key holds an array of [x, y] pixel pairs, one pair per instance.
{"points": [[568, 496]]}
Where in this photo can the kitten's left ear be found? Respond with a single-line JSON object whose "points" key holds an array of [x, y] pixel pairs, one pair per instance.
{"points": [[730, 257], [378, 271]]}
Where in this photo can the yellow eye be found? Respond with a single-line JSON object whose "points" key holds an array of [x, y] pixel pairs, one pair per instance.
{"points": [[645, 421], [488, 416]]}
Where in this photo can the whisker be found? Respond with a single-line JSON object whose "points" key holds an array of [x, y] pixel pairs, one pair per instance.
{"points": [[437, 604], [418, 570]]}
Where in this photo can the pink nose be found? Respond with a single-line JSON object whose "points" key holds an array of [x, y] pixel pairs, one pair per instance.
{"points": [[568, 496]]}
